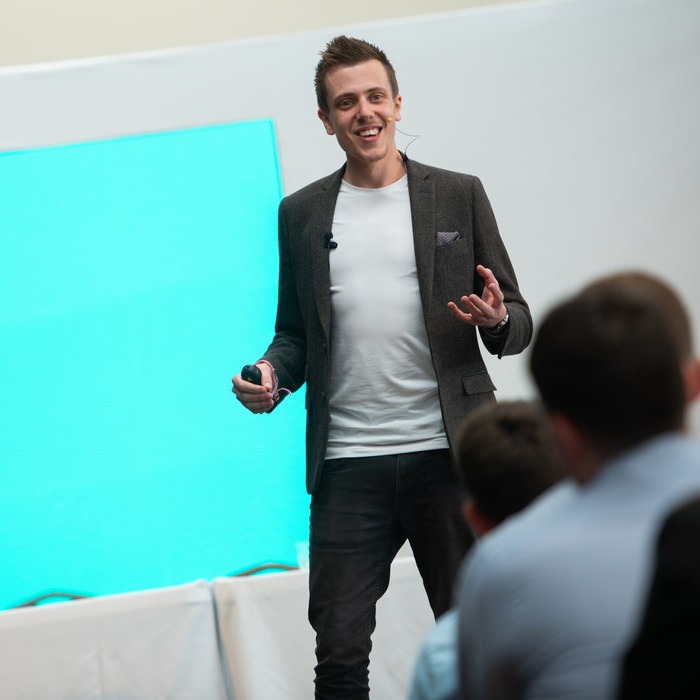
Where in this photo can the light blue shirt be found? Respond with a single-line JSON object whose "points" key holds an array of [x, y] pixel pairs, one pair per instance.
{"points": [[435, 675], [549, 600]]}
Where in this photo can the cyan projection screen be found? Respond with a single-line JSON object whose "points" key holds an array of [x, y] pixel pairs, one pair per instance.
{"points": [[127, 304], [138, 256]]}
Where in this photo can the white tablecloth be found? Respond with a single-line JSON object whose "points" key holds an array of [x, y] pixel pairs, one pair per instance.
{"points": [[149, 645], [269, 645], [163, 644]]}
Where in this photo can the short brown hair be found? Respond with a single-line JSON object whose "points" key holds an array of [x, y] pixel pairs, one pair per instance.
{"points": [[611, 359], [347, 51], [507, 456]]}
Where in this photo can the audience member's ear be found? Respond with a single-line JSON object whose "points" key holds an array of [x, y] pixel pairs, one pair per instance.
{"points": [[692, 380], [579, 454], [476, 520]]}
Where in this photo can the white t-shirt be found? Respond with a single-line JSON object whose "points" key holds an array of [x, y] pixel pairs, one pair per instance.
{"points": [[383, 389]]}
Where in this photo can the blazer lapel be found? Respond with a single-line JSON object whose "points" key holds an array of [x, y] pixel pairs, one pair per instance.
{"points": [[422, 195], [322, 222]]}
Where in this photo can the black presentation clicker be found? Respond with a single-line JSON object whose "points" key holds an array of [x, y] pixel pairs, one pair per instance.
{"points": [[252, 374]]}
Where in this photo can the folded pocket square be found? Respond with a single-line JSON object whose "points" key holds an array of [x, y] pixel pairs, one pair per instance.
{"points": [[445, 237]]}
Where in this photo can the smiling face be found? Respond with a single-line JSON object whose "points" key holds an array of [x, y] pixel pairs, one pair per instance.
{"points": [[362, 115]]}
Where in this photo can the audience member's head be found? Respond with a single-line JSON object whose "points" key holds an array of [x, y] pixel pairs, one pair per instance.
{"points": [[506, 457], [615, 361]]}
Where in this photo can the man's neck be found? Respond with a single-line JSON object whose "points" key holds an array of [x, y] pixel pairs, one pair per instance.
{"points": [[377, 174]]}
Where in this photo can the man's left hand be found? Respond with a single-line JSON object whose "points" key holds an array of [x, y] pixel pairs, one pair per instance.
{"points": [[487, 310]]}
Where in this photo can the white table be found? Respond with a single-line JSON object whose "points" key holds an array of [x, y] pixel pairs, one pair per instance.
{"points": [[269, 645], [149, 645]]}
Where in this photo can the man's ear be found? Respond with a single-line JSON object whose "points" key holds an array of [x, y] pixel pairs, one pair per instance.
{"points": [[692, 380], [397, 108], [326, 122]]}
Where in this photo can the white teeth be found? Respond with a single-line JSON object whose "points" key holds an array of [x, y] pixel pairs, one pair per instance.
{"points": [[369, 132]]}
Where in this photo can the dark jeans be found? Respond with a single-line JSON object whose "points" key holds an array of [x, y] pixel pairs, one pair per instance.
{"points": [[363, 512]]}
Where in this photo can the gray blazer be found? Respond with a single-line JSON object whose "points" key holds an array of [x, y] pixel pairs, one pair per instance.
{"points": [[454, 229]]}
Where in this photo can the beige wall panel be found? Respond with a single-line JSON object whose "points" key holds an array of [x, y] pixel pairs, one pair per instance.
{"points": [[35, 31]]}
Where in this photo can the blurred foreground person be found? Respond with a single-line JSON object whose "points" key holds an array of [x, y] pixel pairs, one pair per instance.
{"points": [[548, 602], [506, 457], [662, 661]]}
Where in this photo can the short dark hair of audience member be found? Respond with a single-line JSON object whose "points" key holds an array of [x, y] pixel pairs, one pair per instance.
{"points": [[506, 456], [348, 51], [611, 359]]}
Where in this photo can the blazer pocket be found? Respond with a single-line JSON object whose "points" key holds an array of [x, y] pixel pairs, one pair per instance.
{"points": [[477, 384], [446, 237]]}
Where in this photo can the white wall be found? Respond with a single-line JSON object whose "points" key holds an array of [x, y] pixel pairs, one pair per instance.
{"points": [[34, 31], [580, 117]]}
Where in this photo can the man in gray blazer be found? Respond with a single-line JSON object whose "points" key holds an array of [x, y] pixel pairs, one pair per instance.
{"points": [[387, 268]]}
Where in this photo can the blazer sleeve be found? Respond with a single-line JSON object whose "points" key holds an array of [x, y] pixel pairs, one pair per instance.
{"points": [[287, 351], [490, 251]]}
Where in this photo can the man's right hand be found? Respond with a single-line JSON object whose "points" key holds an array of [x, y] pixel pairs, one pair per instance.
{"points": [[256, 398]]}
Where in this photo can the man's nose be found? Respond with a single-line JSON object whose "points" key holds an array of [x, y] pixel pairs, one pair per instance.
{"points": [[365, 108]]}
